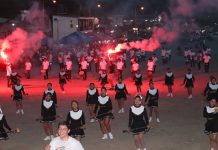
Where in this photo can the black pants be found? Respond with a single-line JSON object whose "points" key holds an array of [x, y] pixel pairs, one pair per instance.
{"points": [[199, 65], [28, 74], [68, 74], [154, 68], [61, 65], [8, 80], [120, 74], [133, 75], [206, 67], [90, 66], [85, 74], [46, 74], [96, 67]]}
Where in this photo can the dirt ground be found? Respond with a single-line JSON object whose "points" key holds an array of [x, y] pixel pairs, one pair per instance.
{"points": [[181, 126]]}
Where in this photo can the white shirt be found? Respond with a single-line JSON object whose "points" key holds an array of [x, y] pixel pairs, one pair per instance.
{"points": [[206, 58], [135, 67], [8, 70], [69, 144], [150, 66], [69, 65], [163, 52], [28, 65], [103, 65], [154, 58], [45, 65], [186, 53], [84, 65], [120, 65]]}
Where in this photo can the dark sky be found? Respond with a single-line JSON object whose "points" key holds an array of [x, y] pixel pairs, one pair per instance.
{"points": [[11, 8]]}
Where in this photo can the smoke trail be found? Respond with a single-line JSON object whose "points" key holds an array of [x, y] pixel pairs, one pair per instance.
{"points": [[180, 19], [21, 42]]}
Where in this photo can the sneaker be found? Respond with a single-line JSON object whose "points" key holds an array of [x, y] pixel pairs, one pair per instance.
{"points": [[92, 120], [110, 135], [105, 137], [120, 111], [150, 119], [22, 112], [18, 111], [190, 97], [52, 137], [47, 138], [169, 94], [158, 120]]}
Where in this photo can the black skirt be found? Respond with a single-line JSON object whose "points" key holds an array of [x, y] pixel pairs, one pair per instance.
{"points": [[169, 82], [92, 101], [120, 95], [211, 126], [101, 115], [139, 131], [48, 119], [3, 135], [189, 85], [17, 97], [138, 82], [153, 103], [77, 132], [62, 81]]}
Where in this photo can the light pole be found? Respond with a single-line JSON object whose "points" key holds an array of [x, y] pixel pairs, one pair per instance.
{"points": [[57, 29], [90, 9], [136, 9]]}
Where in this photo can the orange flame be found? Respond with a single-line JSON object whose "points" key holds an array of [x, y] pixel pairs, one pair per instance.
{"points": [[5, 45]]}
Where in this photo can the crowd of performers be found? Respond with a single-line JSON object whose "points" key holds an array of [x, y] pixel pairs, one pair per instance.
{"points": [[100, 104]]}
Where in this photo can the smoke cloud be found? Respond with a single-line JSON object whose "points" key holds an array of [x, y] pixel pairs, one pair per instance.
{"points": [[24, 42], [179, 20]]}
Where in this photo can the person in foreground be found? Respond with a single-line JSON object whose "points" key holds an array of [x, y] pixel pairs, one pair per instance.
{"points": [[211, 126], [64, 141], [138, 122]]}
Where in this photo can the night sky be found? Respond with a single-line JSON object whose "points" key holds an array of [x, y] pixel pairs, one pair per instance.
{"points": [[11, 8]]}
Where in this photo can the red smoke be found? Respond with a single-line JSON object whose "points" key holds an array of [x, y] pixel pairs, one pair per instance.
{"points": [[154, 42], [20, 43]]}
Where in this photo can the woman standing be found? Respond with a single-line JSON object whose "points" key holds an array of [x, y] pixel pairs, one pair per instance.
{"points": [[18, 92], [151, 99], [76, 121], [62, 79], [3, 123], [211, 127], [138, 82], [104, 114], [92, 100], [169, 81], [211, 90], [120, 95], [189, 83], [48, 113], [138, 122]]}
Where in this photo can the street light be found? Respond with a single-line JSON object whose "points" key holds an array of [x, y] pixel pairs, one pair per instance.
{"points": [[90, 9], [135, 13], [99, 5]]}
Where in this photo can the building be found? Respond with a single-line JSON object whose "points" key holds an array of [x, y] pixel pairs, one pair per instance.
{"points": [[64, 25]]}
